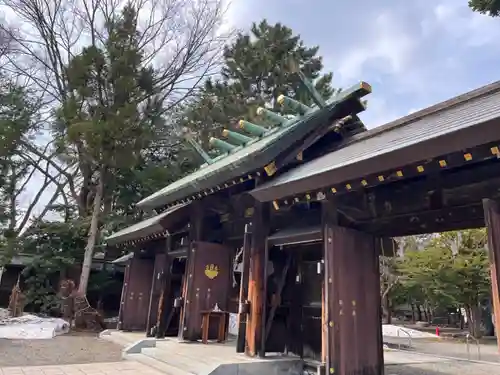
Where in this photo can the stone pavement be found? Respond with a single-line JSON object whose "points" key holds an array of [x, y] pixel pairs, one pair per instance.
{"points": [[110, 368]]}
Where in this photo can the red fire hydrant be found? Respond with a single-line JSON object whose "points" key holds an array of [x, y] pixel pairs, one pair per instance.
{"points": [[437, 331]]}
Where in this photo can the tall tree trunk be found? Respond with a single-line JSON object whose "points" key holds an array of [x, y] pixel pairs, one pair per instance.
{"points": [[419, 313], [475, 326], [92, 236], [461, 317], [386, 305], [429, 314], [412, 312], [425, 313]]}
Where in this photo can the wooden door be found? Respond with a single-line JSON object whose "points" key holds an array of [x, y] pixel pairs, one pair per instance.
{"points": [[135, 302], [208, 284], [352, 286]]}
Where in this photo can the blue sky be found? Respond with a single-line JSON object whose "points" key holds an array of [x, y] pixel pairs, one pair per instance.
{"points": [[414, 53]]}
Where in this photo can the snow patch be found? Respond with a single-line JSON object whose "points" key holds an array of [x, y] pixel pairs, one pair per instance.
{"points": [[390, 330], [29, 327]]}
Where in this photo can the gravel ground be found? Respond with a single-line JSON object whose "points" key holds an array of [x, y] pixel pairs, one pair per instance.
{"points": [[66, 349]]}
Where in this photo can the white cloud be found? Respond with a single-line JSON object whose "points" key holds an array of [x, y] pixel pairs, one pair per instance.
{"points": [[387, 45], [459, 22]]}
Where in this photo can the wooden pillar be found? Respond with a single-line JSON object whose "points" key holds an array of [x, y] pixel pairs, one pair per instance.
{"points": [[165, 302], [257, 279], [150, 322], [186, 330], [123, 299], [329, 339], [324, 324], [352, 299], [492, 220], [245, 268]]}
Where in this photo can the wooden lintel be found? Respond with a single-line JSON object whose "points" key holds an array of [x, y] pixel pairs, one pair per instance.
{"points": [[449, 218], [492, 220]]}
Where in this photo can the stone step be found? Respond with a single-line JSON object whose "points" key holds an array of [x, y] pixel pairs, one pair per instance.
{"points": [[210, 354], [118, 341], [189, 364], [160, 366], [116, 338]]}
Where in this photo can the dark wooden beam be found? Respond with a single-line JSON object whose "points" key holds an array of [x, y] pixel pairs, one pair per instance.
{"points": [[165, 305], [243, 303], [492, 220], [454, 187], [447, 172], [431, 221], [257, 278]]}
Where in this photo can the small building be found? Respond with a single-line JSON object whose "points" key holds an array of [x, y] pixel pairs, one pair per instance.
{"points": [[195, 254]]}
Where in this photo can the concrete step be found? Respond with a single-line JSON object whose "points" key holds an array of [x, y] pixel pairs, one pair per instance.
{"points": [[188, 364], [160, 366]]}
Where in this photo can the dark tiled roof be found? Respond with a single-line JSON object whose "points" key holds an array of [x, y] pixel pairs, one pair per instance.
{"points": [[154, 225], [451, 123]]}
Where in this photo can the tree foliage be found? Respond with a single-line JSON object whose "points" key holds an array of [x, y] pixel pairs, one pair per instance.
{"points": [[55, 247], [452, 271], [488, 7], [113, 71]]}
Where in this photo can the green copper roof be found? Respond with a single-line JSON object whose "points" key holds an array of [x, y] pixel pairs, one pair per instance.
{"points": [[261, 151]]}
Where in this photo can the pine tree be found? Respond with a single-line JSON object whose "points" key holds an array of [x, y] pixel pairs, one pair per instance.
{"points": [[112, 115], [255, 72]]}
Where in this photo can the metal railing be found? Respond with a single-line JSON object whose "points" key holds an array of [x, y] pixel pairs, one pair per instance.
{"points": [[478, 345], [407, 333]]}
